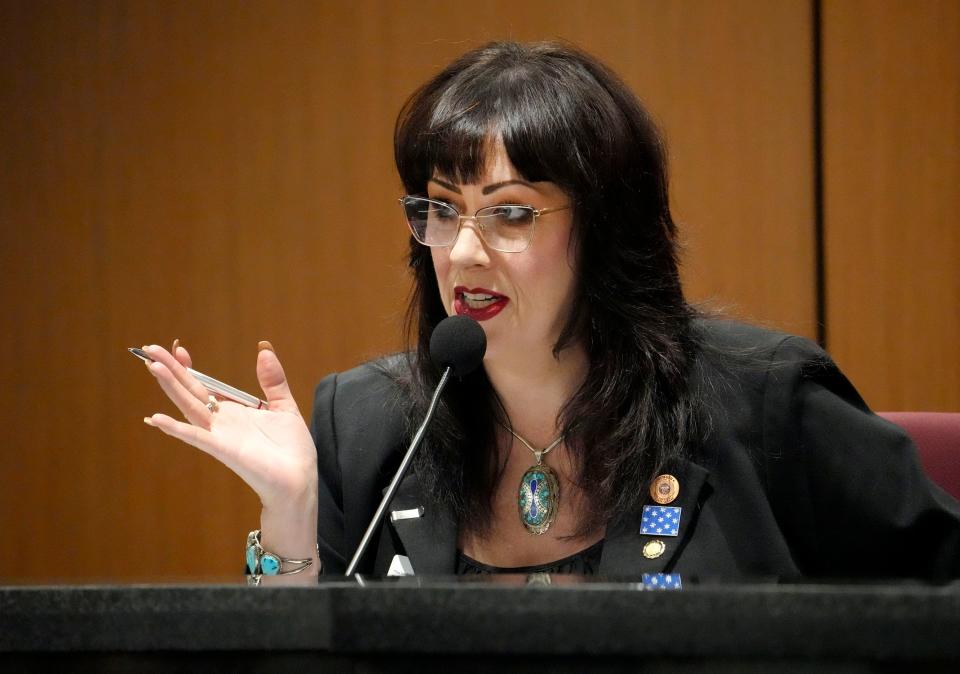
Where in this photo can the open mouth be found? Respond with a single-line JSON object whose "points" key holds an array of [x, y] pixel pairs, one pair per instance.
{"points": [[478, 303]]}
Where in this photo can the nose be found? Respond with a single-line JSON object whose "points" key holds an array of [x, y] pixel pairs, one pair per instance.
{"points": [[469, 250]]}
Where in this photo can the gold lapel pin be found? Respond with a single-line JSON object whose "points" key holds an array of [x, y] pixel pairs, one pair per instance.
{"points": [[653, 549], [665, 489]]}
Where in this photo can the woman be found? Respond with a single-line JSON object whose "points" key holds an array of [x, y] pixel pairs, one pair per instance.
{"points": [[610, 430]]}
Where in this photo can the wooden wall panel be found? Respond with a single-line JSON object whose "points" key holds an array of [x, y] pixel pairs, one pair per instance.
{"points": [[892, 198], [222, 173]]}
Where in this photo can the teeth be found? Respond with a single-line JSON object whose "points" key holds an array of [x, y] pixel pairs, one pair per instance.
{"points": [[477, 298]]}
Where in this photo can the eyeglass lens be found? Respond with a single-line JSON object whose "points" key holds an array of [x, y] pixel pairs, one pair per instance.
{"points": [[506, 228]]}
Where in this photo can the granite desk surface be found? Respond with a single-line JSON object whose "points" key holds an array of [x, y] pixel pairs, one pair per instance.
{"points": [[895, 622]]}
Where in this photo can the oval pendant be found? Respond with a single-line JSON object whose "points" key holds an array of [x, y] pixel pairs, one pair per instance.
{"points": [[539, 498]]}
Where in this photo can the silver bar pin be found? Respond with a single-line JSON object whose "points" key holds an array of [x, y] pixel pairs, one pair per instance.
{"points": [[410, 514]]}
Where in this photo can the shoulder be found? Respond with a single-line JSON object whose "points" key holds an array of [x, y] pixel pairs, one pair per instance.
{"points": [[773, 364], [751, 343], [372, 384], [844, 487], [771, 394], [362, 409]]}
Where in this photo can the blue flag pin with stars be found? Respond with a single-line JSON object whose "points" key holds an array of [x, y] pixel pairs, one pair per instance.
{"points": [[660, 520], [661, 581]]}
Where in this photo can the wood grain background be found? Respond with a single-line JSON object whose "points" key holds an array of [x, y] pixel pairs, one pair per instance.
{"points": [[892, 199], [222, 173]]}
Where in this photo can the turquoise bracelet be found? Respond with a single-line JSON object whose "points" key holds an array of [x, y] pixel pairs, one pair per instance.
{"points": [[259, 561]]}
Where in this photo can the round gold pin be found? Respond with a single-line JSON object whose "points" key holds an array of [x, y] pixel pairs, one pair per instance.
{"points": [[653, 549], [664, 489]]}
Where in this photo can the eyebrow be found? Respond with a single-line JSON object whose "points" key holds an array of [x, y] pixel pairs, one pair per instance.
{"points": [[486, 190]]}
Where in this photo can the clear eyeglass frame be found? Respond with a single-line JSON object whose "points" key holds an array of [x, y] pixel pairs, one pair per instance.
{"points": [[506, 238]]}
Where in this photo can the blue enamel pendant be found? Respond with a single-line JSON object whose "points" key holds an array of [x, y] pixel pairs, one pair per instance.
{"points": [[539, 498]]}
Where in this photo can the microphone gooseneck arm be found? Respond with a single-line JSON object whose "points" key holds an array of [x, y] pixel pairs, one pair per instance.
{"points": [[408, 457]]}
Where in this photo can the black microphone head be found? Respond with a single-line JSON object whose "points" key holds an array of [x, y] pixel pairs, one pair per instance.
{"points": [[458, 342]]}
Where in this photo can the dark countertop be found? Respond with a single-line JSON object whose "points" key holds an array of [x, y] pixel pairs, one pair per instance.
{"points": [[505, 617]]}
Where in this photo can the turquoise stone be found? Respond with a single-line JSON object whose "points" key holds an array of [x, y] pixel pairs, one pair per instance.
{"points": [[270, 565], [538, 499], [251, 559]]}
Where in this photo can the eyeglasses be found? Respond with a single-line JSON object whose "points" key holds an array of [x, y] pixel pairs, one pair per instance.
{"points": [[507, 228]]}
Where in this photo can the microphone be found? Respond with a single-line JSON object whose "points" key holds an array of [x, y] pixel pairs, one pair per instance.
{"points": [[457, 346], [458, 342]]}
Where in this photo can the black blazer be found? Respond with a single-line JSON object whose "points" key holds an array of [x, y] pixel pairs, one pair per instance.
{"points": [[795, 478]]}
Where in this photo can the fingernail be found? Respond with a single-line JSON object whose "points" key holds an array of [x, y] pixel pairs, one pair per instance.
{"points": [[149, 422], [176, 343], [264, 345]]}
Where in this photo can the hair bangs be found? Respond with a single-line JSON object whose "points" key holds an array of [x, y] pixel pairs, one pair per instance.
{"points": [[442, 132], [457, 143], [451, 127]]}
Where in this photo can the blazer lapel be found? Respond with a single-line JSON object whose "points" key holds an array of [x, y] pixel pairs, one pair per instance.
{"points": [[623, 549], [430, 539]]}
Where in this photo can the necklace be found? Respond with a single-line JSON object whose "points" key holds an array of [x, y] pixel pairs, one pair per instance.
{"points": [[539, 493]]}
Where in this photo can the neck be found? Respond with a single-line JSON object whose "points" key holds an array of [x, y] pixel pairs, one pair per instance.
{"points": [[534, 387]]}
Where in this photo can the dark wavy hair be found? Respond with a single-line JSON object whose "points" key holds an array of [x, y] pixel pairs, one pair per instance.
{"points": [[562, 117]]}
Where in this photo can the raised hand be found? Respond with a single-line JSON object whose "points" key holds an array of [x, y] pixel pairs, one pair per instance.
{"points": [[271, 450]]}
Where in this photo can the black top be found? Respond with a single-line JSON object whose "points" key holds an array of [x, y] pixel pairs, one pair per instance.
{"points": [[584, 563], [796, 478]]}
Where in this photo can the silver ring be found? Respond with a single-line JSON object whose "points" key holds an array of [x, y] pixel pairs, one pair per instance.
{"points": [[212, 404]]}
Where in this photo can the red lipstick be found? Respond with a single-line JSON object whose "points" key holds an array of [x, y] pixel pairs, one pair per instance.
{"points": [[478, 303]]}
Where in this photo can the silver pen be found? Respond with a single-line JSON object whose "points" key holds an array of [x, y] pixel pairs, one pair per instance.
{"points": [[214, 385]]}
